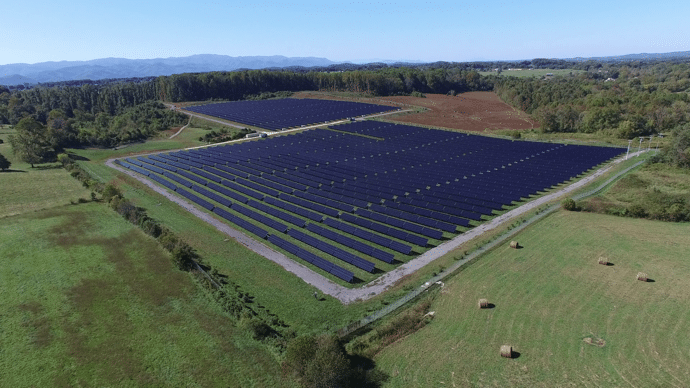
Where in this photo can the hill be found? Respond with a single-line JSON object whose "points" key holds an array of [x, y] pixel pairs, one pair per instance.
{"points": [[128, 68]]}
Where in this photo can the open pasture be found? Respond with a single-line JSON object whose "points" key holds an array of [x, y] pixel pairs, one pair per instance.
{"points": [[472, 111], [89, 300], [288, 112], [570, 320], [24, 189], [359, 199]]}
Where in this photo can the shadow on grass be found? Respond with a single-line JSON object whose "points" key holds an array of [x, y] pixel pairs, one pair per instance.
{"points": [[515, 354], [74, 156], [490, 306], [48, 167], [8, 171]]}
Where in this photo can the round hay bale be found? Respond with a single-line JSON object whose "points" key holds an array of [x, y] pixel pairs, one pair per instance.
{"points": [[483, 303], [641, 276], [603, 261], [507, 351], [514, 245]]}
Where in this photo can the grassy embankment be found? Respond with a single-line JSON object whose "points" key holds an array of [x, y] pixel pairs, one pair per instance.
{"points": [[571, 320]]}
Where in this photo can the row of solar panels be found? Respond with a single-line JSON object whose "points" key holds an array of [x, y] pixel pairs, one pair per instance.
{"points": [[332, 250], [407, 226], [369, 236], [286, 113], [313, 259], [391, 221], [321, 263]]}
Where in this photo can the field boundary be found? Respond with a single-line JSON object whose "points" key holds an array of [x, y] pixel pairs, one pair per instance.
{"points": [[437, 280]]}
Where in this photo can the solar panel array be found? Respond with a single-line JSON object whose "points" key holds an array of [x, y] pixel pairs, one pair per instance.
{"points": [[288, 112], [343, 202]]}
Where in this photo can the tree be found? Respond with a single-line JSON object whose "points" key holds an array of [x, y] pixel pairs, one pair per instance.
{"points": [[4, 163], [30, 142]]}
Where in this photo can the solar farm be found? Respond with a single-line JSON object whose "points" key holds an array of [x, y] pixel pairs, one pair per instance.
{"points": [[288, 113], [355, 200]]}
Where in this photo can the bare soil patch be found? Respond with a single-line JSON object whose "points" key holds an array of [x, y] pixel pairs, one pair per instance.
{"points": [[472, 111]]}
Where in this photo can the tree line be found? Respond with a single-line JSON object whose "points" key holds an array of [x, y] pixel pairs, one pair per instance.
{"points": [[621, 100]]}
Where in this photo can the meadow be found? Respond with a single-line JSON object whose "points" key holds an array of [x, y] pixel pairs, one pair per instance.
{"points": [[571, 321], [24, 189], [89, 300]]}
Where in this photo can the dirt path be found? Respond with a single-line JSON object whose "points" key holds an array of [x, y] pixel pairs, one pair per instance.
{"points": [[181, 129], [381, 284]]}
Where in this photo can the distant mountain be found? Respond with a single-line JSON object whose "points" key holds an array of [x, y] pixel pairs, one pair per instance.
{"points": [[637, 57], [129, 68]]}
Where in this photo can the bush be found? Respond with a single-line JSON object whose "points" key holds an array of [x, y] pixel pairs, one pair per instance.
{"points": [[636, 211], [318, 362], [570, 205], [260, 329]]}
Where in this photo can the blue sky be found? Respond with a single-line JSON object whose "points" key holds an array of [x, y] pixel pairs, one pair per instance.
{"points": [[38, 31]]}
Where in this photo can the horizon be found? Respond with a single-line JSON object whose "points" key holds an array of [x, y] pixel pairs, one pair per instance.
{"points": [[352, 32]]}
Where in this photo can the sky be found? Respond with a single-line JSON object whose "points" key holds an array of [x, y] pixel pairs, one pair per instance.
{"points": [[358, 31]]}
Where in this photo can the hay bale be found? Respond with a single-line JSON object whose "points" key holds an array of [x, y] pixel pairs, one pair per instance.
{"points": [[641, 276], [603, 261], [514, 245], [507, 351], [483, 303]]}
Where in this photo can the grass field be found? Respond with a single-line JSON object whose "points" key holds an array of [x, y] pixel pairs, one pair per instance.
{"points": [[89, 300], [24, 189], [572, 321]]}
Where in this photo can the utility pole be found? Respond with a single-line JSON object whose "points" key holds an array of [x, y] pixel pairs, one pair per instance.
{"points": [[628, 152], [639, 146], [649, 147]]}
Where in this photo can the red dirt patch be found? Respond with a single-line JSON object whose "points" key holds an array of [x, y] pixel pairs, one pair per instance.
{"points": [[472, 111]]}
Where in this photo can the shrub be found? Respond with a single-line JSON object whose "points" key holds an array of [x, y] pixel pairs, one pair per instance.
{"points": [[636, 211], [570, 205]]}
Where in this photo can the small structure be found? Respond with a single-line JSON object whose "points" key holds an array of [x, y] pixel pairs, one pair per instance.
{"points": [[507, 351], [483, 303], [641, 276], [603, 261], [514, 245]]}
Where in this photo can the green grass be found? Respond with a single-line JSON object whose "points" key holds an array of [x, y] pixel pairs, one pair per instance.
{"points": [[549, 298], [24, 189], [89, 300]]}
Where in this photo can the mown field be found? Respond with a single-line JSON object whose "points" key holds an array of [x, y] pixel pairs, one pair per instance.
{"points": [[572, 321], [89, 300], [24, 189]]}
